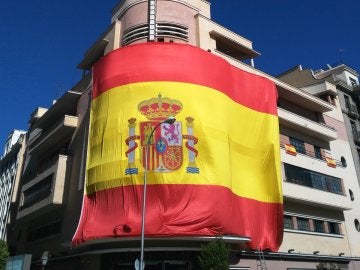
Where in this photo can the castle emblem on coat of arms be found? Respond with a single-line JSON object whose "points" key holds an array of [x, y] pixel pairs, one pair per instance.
{"points": [[165, 145]]}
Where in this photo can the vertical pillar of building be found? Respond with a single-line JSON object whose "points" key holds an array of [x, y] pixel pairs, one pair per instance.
{"points": [[152, 20]]}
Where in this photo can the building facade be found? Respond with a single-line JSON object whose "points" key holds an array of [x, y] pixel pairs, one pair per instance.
{"points": [[344, 83], [321, 190], [10, 169]]}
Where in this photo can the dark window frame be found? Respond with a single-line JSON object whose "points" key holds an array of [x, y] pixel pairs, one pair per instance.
{"points": [[289, 222], [317, 152], [303, 224], [333, 227], [312, 179], [319, 226], [298, 144], [38, 192], [312, 225]]}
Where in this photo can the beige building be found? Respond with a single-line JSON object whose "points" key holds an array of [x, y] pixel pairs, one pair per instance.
{"points": [[321, 191]]}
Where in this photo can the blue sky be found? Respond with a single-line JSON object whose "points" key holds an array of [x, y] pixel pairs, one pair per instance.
{"points": [[43, 41]]}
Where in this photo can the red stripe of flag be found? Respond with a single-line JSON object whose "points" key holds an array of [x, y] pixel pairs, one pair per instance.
{"points": [[187, 66], [170, 213]]}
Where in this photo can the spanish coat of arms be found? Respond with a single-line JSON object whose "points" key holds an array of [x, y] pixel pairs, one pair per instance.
{"points": [[161, 143]]}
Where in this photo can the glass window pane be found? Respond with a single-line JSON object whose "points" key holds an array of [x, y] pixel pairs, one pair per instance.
{"points": [[319, 226], [303, 224], [317, 151], [288, 222], [312, 179], [298, 144], [333, 228]]}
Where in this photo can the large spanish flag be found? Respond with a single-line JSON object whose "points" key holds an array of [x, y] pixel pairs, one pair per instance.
{"points": [[215, 171]]}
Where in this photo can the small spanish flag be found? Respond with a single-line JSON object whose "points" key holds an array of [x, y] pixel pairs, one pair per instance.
{"points": [[331, 162], [214, 171], [290, 149]]}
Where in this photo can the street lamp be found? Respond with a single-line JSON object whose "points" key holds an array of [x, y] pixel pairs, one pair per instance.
{"points": [[170, 120], [44, 259]]}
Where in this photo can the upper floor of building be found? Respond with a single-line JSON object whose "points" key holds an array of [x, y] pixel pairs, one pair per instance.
{"points": [[338, 74], [340, 80], [184, 21], [12, 139], [49, 151]]}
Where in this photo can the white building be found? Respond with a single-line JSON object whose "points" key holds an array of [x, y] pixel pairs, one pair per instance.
{"points": [[10, 168]]}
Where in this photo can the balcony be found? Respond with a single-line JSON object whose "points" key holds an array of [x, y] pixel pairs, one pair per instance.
{"points": [[306, 126], [352, 89], [352, 111], [309, 154], [231, 47], [46, 190], [321, 88], [59, 132], [314, 186], [314, 197]]}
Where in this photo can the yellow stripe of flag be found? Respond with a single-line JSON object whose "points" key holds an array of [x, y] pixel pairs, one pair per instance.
{"points": [[234, 151]]}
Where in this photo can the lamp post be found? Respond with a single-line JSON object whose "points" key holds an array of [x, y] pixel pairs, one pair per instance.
{"points": [[169, 121]]}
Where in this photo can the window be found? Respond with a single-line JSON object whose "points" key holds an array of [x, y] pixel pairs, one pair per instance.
{"points": [[333, 228], [303, 224], [319, 226], [347, 102], [140, 31], [38, 192], [317, 151], [353, 82], [317, 181], [288, 222], [167, 29], [298, 144], [333, 185], [357, 225], [354, 129], [351, 195], [312, 179], [343, 162], [297, 175]]}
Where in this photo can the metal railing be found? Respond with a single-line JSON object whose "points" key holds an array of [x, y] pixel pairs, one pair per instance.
{"points": [[312, 154], [352, 110], [325, 186]]}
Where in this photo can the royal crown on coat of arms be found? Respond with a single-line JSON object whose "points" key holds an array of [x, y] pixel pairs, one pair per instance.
{"points": [[162, 148]]}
